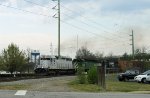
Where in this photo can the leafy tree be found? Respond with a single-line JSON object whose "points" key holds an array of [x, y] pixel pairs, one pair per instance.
{"points": [[141, 54], [126, 57], [1, 64], [84, 53], [12, 59]]}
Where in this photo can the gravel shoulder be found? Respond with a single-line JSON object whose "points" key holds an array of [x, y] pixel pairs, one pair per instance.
{"points": [[52, 84]]}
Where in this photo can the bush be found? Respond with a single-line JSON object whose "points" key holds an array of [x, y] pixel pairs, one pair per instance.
{"points": [[92, 75], [82, 78], [81, 75]]}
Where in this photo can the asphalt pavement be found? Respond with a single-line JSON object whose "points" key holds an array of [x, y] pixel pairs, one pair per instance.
{"points": [[37, 94]]}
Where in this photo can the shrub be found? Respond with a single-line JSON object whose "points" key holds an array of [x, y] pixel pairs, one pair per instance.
{"points": [[92, 75], [81, 75]]}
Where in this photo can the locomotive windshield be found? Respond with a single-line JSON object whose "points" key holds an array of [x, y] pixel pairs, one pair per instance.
{"points": [[45, 58]]}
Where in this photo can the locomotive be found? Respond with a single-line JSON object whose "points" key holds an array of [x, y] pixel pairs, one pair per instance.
{"points": [[54, 64]]}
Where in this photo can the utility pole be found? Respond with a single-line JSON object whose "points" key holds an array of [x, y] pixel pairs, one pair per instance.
{"points": [[59, 28], [77, 42], [132, 44], [58, 4], [51, 49]]}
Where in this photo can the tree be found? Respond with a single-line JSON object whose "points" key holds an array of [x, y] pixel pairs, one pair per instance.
{"points": [[99, 56], [142, 55], [84, 53], [12, 59], [125, 56], [1, 64]]}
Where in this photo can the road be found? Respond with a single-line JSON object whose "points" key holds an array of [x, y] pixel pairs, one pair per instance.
{"points": [[54, 87], [37, 94]]}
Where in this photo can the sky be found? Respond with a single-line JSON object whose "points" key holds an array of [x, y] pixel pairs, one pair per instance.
{"points": [[102, 26]]}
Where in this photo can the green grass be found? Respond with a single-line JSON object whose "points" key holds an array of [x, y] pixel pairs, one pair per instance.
{"points": [[84, 87], [116, 86], [112, 85], [126, 86], [13, 87]]}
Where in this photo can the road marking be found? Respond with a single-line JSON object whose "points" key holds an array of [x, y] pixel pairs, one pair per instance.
{"points": [[21, 93]]}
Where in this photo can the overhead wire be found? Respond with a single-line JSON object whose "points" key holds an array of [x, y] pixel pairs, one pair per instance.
{"points": [[24, 10], [71, 17], [61, 20], [106, 28], [43, 15], [87, 31], [93, 26], [115, 35]]}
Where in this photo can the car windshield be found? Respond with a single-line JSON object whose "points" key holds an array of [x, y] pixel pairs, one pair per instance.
{"points": [[146, 72], [130, 72]]}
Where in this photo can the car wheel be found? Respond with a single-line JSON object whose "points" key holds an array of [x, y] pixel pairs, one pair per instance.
{"points": [[143, 80], [126, 79], [120, 79]]}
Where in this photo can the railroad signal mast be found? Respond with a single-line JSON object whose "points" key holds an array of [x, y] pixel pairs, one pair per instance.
{"points": [[58, 16]]}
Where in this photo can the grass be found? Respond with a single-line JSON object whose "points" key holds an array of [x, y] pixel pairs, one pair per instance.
{"points": [[127, 86], [13, 87], [116, 86], [84, 87], [112, 85]]}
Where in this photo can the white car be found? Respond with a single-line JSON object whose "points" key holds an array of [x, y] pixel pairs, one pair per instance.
{"points": [[142, 77], [4, 72], [148, 78]]}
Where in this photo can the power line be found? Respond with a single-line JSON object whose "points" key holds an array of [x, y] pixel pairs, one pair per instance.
{"points": [[34, 13], [60, 20], [87, 31], [46, 16], [33, 3], [24, 10], [71, 17], [67, 15], [96, 27], [88, 19]]}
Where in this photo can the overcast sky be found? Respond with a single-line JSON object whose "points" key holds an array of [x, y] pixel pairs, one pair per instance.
{"points": [[101, 25]]}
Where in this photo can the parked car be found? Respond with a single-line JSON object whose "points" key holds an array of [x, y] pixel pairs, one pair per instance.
{"points": [[142, 77], [4, 72], [129, 74], [148, 78]]}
